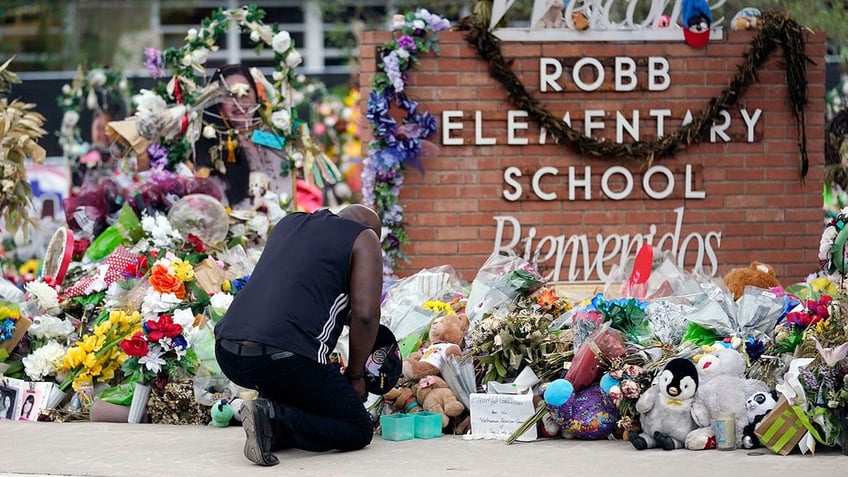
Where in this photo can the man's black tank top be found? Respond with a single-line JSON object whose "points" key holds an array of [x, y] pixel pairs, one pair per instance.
{"points": [[298, 296]]}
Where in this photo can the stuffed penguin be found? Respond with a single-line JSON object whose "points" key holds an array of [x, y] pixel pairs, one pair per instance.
{"points": [[757, 408], [665, 408]]}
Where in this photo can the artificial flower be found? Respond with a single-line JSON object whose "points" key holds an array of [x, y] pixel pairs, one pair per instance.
{"points": [[153, 360], [149, 103], [135, 346], [46, 296], [281, 42], [163, 327], [164, 282], [48, 327], [281, 119], [155, 302], [44, 361]]}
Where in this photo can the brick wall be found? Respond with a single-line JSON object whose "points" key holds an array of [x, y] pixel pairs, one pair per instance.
{"points": [[753, 196]]}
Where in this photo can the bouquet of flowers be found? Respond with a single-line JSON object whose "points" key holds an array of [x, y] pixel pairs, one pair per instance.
{"points": [[790, 334], [160, 348], [509, 339], [96, 356]]}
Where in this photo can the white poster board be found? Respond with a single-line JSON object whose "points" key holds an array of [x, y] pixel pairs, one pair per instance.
{"points": [[501, 414]]}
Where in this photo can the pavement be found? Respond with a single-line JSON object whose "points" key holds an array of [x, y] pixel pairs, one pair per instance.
{"points": [[127, 450]]}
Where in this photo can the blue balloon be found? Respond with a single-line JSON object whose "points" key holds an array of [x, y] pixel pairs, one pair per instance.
{"points": [[558, 392], [607, 383]]}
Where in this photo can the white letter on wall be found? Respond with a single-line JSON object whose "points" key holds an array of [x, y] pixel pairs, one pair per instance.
{"points": [[510, 173], [549, 79], [448, 126]]}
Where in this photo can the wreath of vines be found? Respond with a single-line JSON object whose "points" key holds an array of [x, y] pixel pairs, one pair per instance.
{"points": [[778, 30]]}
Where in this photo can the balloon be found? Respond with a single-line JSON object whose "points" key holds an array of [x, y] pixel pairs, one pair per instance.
{"points": [[558, 392], [608, 382]]}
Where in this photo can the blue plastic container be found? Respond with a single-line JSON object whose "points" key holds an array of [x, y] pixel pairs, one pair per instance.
{"points": [[428, 424], [397, 427]]}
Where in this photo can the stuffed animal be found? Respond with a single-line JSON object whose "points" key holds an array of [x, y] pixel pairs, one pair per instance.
{"points": [[222, 413], [757, 274], [748, 18], [665, 409], [723, 389], [757, 407], [402, 399], [435, 396], [446, 333]]}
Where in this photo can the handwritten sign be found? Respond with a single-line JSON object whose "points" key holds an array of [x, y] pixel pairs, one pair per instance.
{"points": [[501, 414]]}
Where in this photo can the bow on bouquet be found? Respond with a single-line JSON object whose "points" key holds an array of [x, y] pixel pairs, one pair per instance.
{"points": [[159, 349]]}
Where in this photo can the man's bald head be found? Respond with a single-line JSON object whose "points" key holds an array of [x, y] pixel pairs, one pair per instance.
{"points": [[363, 215]]}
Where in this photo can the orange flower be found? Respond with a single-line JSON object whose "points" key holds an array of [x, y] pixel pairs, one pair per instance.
{"points": [[546, 298], [163, 282]]}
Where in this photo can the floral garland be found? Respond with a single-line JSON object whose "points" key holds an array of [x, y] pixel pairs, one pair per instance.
{"points": [[394, 146], [188, 66], [84, 93]]}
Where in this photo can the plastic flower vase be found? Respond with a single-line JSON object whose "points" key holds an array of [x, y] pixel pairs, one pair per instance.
{"points": [[428, 424], [398, 427], [139, 403]]}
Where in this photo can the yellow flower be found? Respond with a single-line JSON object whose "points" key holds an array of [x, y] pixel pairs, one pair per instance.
{"points": [[73, 358], [822, 326], [107, 374], [182, 269], [30, 267], [226, 286], [439, 307], [823, 286]]}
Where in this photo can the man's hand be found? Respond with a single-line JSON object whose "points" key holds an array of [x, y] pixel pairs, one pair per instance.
{"points": [[358, 384]]}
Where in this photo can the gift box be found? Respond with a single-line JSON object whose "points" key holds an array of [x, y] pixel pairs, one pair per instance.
{"points": [[781, 429]]}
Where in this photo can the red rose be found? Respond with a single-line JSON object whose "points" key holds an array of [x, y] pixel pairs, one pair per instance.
{"points": [[194, 244], [164, 327], [135, 346]]}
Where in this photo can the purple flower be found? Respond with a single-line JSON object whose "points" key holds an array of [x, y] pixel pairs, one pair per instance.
{"points": [[391, 241], [180, 342], [434, 21], [153, 62], [407, 42], [158, 156]]}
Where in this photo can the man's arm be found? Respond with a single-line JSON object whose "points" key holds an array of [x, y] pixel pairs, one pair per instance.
{"points": [[366, 286]]}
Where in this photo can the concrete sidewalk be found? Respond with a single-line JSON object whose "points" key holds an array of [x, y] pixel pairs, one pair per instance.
{"points": [[102, 449]]}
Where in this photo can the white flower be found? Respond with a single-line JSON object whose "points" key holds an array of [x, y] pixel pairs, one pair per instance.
{"points": [[98, 77], [66, 89], [45, 327], [293, 59], [155, 303], [45, 295], [70, 119], [266, 33], [254, 36], [221, 301], [153, 361], [122, 84], [184, 318], [277, 75], [160, 230], [240, 90], [208, 132], [199, 56], [281, 119], [91, 99], [402, 53], [114, 294], [192, 35], [43, 362], [281, 42], [149, 103], [398, 21]]}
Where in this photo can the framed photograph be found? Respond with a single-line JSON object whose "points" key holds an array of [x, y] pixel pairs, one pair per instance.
{"points": [[9, 399], [30, 403]]}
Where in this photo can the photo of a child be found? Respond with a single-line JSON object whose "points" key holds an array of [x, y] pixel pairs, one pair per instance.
{"points": [[8, 401]]}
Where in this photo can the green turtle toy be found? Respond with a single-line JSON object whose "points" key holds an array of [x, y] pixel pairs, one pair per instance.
{"points": [[222, 413]]}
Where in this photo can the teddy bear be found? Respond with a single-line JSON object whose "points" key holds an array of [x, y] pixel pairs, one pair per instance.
{"points": [[446, 334], [723, 389], [757, 274], [757, 406], [435, 396], [402, 399], [665, 408], [748, 18]]}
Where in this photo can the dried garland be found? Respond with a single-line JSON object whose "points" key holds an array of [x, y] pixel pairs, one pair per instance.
{"points": [[778, 30]]}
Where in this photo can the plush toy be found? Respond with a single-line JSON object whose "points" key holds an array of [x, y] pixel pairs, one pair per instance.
{"points": [[723, 389], [697, 19], [757, 274], [665, 409], [748, 18], [588, 414], [446, 333], [435, 396], [757, 407], [222, 413], [402, 399]]}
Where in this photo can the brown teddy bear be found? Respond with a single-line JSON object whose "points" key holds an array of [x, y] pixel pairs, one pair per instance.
{"points": [[446, 333], [757, 274], [435, 396], [403, 399]]}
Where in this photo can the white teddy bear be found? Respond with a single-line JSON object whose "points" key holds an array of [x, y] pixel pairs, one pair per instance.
{"points": [[723, 389]]}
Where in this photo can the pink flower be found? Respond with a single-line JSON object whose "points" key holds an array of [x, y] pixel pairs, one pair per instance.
{"points": [[630, 389]]}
